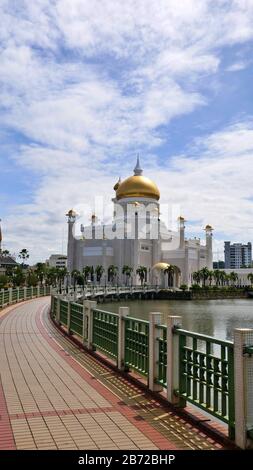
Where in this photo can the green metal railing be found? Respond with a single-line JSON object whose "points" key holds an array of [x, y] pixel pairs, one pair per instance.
{"points": [[6, 297], [206, 374], [14, 295], [162, 354], [76, 318], [28, 292], [64, 312], [105, 332], [137, 344], [21, 293], [205, 364]]}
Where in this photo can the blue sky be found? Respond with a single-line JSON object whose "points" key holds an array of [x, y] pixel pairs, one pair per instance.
{"points": [[85, 85]]}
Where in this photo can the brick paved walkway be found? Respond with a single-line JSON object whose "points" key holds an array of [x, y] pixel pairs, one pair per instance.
{"points": [[55, 396]]}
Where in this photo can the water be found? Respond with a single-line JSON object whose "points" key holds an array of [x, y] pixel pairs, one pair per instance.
{"points": [[216, 318]]}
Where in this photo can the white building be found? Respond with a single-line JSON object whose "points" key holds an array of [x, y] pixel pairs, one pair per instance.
{"points": [[57, 261], [139, 196]]}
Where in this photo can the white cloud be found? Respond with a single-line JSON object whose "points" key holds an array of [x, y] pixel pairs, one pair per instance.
{"points": [[90, 83], [237, 66]]}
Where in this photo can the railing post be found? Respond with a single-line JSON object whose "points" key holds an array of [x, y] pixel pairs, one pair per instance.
{"points": [[69, 317], [58, 300], [10, 295], [122, 312], [25, 293], [90, 305], [31, 292], [17, 294], [243, 372], [155, 318], [85, 323], [173, 359]]}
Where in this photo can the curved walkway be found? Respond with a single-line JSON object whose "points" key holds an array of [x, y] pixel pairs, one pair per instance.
{"points": [[55, 396]]}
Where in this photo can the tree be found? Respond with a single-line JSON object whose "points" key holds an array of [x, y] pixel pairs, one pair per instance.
{"points": [[250, 278], [3, 281], [217, 276], [99, 272], [18, 277], [32, 278], [196, 277], [210, 277], [112, 272], [170, 270], [204, 275], [127, 270], [61, 274], [75, 275], [142, 273], [51, 276], [23, 254], [223, 277], [86, 273], [233, 277], [41, 270]]}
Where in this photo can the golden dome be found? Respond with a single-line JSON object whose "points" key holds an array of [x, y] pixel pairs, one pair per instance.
{"points": [[138, 186], [161, 266]]}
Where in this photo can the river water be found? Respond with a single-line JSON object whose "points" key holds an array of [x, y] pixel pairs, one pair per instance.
{"points": [[216, 318]]}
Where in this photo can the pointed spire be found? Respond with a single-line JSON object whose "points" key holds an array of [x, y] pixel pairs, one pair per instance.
{"points": [[138, 170]]}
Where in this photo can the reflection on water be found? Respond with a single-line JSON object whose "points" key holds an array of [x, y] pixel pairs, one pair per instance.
{"points": [[216, 318]]}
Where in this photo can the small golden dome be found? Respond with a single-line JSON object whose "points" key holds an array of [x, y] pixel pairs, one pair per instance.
{"points": [[138, 186], [161, 266], [208, 227], [71, 213]]}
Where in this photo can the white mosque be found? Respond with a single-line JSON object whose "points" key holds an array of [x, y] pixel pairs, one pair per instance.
{"points": [[137, 238]]}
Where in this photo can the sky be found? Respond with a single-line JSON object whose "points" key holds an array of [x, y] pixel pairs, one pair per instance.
{"points": [[85, 85]]}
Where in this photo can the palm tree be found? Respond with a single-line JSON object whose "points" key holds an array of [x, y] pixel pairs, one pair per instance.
{"points": [[170, 270], [17, 277], [233, 277], [204, 274], [51, 276], [75, 275], [142, 273], [23, 254], [210, 277], [223, 277], [61, 274], [196, 277], [40, 270], [99, 272], [127, 270], [112, 272], [86, 273], [32, 278], [217, 276], [250, 278]]}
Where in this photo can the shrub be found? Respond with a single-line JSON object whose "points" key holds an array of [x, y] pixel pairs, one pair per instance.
{"points": [[184, 287]]}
